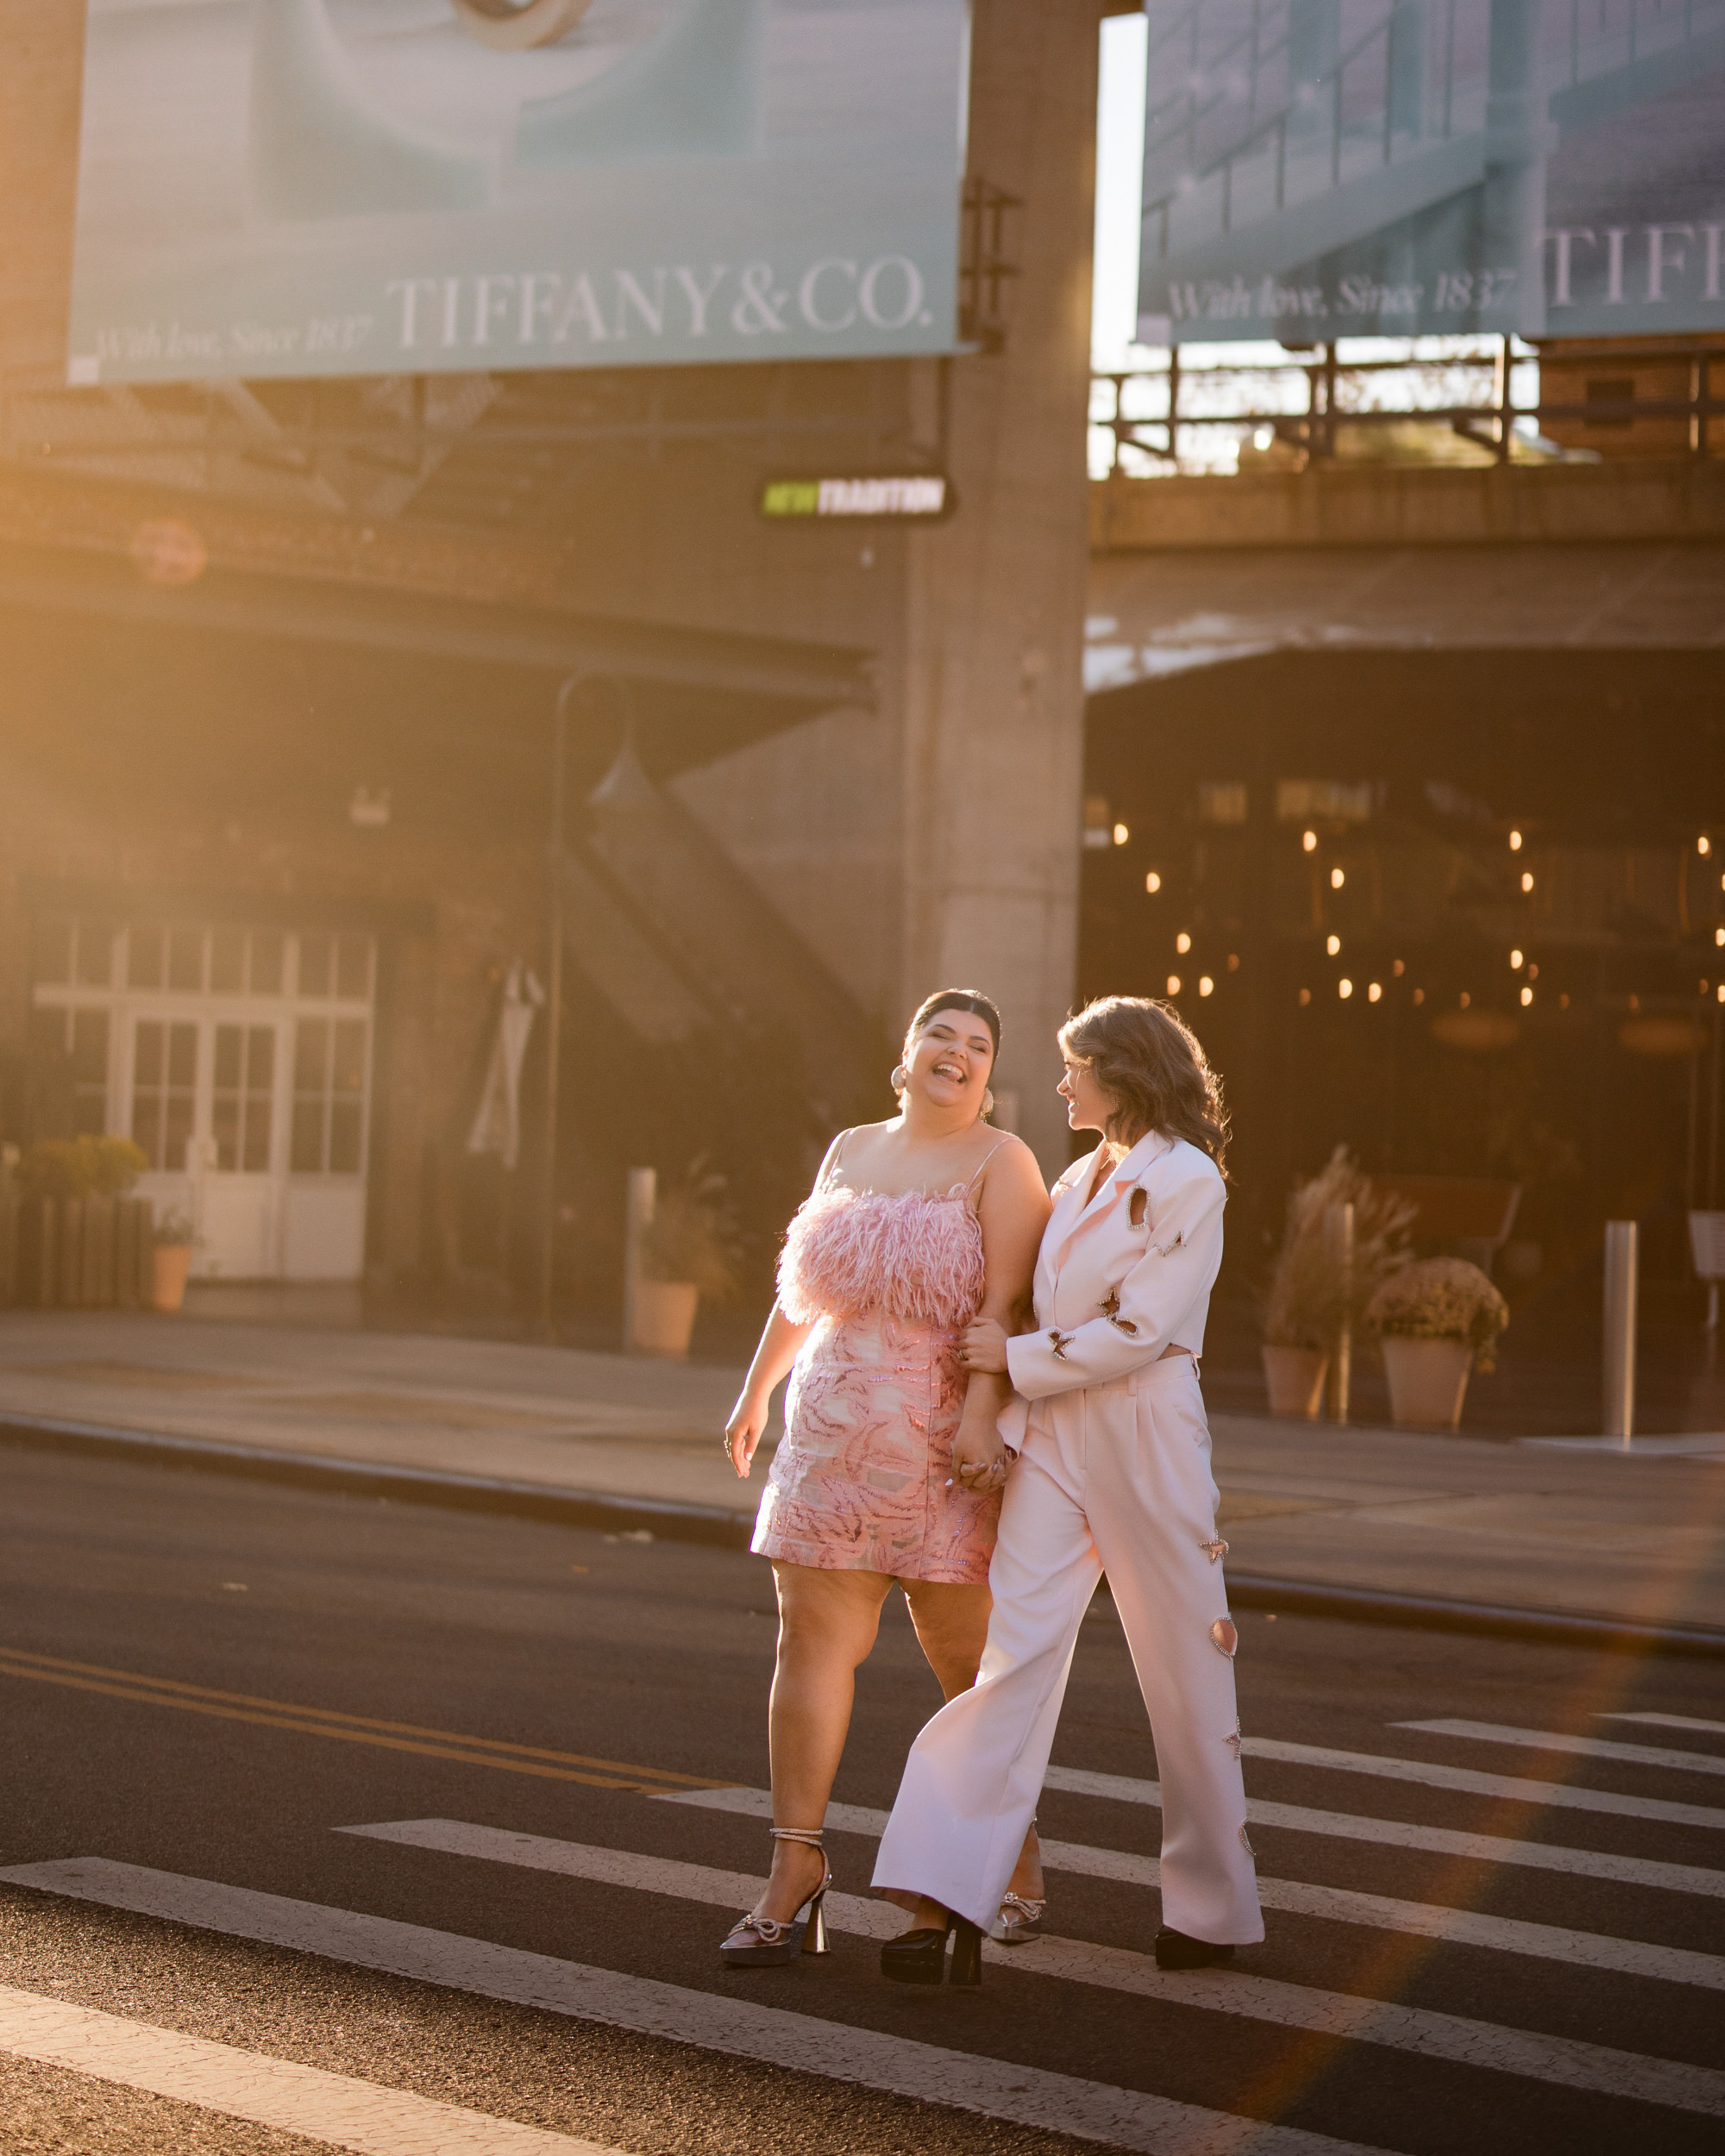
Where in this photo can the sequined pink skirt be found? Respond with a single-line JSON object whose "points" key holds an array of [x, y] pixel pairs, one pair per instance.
{"points": [[859, 1482]]}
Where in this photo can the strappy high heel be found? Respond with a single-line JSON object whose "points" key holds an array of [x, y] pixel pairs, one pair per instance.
{"points": [[767, 1942], [1020, 1917], [919, 1957]]}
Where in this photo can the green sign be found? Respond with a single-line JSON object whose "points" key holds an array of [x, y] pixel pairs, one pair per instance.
{"points": [[308, 187], [912, 498]]}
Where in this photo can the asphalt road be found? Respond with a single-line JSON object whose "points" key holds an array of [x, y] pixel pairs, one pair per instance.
{"points": [[205, 1681]]}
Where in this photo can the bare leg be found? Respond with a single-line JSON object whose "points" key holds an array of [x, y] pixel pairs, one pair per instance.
{"points": [[953, 1628], [827, 1624]]}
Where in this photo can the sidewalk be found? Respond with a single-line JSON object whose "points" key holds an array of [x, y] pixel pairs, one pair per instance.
{"points": [[1532, 1525]]}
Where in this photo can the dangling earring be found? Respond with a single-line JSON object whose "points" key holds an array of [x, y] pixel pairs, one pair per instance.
{"points": [[987, 1104], [901, 1079]]}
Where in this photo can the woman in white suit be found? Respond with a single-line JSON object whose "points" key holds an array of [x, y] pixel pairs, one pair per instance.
{"points": [[1112, 1475]]}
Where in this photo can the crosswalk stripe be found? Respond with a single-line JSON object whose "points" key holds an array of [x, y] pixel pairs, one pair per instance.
{"points": [[335, 2109], [1667, 1721], [1338, 1905], [1582, 1747], [998, 2089], [1393, 1834], [1561, 2060], [1559, 1794]]}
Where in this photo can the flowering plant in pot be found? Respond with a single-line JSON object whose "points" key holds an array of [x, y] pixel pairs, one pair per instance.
{"points": [[83, 1167], [688, 1249], [1437, 1319], [1314, 1289], [175, 1240]]}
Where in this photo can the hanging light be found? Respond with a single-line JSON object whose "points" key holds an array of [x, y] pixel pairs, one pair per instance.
{"points": [[1527, 879], [1466, 998], [1516, 961], [1183, 942], [1375, 993], [1419, 995], [1703, 844], [1152, 883], [1233, 961], [1121, 834], [1174, 984], [1514, 842], [1526, 997], [1204, 984], [1338, 878], [1305, 997], [1309, 841], [1333, 945], [1719, 935], [1397, 968], [1344, 989]]}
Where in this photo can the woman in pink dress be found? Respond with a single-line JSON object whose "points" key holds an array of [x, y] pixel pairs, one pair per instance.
{"points": [[891, 1467]]}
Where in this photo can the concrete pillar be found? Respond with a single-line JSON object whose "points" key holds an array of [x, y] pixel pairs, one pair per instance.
{"points": [[993, 742], [1517, 139]]}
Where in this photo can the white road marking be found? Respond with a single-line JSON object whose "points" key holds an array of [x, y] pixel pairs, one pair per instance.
{"points": [[248, 2084], [1558, 1795], [1584, 1747], [1668, 1722], [1393, 1834], [1340, 1905], [998, 2089], [1560, 2060]]}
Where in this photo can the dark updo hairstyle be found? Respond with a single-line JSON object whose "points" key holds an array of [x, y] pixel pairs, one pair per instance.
{"points": [[1147, 1060], [970, 1000]]}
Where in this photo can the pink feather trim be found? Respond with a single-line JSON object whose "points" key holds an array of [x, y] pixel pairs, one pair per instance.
{"points": [[847, 1252]]}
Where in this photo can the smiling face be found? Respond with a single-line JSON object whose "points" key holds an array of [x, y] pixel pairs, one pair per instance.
{"points": [[1090, 1106], [948, 1062]]}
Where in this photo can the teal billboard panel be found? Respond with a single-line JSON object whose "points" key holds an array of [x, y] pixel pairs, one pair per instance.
{"points": [[1324, 168], [308, 187]]}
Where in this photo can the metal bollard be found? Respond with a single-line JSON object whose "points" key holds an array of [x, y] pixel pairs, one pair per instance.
{"points": [[1619, 1329], [1338, 1233], [643, 1190]]}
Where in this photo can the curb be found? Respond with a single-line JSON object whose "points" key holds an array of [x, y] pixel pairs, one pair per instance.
{"points": [[718, 1526]]}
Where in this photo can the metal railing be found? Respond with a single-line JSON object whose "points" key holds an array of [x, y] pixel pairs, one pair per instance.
{"points": [[1326, 396]]}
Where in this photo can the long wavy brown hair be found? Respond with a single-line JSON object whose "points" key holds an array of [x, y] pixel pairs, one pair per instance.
{"points": [[1148, 1061]]}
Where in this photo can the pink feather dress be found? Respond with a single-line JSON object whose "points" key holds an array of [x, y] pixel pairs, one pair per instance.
{"points": [[860, 1482]]}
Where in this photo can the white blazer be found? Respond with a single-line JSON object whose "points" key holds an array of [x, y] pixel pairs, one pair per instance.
{"points": [[1112, 1293]]}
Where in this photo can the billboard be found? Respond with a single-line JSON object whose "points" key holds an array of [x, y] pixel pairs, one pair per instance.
{"points": [[307, 187], [1324, 168]]}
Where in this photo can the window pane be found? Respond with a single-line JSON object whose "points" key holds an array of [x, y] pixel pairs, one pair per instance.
{"points": [[178, 1112], [185, 958], [311, 1055], [314, 965], [48, 1035], [51, 949], [148, 1044], [96, 953], [228, 959], [224, 1128], [256, 1158], [308, 1137], [261, 1059], [182, 1056], [344, 1137], [144, 954], [228, 1040], [349, 1075], [266, 950], [354, 966], [146, 1126], [90, 1048]]}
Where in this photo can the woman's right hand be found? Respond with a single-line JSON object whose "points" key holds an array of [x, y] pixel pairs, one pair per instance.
{"points": [[743, 1432]]}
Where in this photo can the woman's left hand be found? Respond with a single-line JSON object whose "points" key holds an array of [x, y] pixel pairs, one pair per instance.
{"points": [[983, 1348], [980, 1463]]}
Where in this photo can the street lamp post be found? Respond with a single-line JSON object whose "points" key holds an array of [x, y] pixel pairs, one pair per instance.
{"points": [[554, 995]]}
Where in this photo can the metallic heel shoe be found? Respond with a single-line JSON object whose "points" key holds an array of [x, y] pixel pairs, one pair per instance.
{"points": [[769, 1942], [1020, 1919], [919, 1957], [1176, 1950]]}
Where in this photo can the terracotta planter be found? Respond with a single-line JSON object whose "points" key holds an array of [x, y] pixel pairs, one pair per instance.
{"points": [[1296, 1379], [170, 1264], [664, 1315], [1427, 1381]]}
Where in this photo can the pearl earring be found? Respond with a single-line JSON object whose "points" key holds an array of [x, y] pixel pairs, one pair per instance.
{"points": [[901, 1079], [987, 1104]]}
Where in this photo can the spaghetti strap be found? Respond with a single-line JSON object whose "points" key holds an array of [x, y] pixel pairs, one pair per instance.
{"points": [[834, 1163], [983, 1162]]}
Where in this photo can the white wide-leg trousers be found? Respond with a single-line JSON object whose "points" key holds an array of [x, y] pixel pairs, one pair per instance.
{"points": [[1116, 1479]]}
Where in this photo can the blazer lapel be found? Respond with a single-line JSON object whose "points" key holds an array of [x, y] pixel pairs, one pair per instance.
{"points": [[1128, 1171]]}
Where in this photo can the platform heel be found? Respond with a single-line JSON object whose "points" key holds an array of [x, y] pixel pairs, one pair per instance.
{"points": [[769, 1942], [919, 1957]]}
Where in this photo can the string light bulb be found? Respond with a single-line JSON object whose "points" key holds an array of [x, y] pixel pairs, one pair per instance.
{"points": [[1526, 997], [1719, 935], [1527, 879], [1375, 992], [1516, 961], [1338, 878], [1174, 984], [1514, 842], [1121, 834], [1152, 883], [1309, 841], [1333, 945], [1344, 989], [1305, 997], [1183, 942], [1703, 844], [1204, 984]]}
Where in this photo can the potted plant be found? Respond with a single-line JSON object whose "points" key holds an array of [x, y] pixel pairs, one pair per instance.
{"points": [[1437, 1319], [688, 1250], [175, 1240], [1313, 1290], [76, 1183]]}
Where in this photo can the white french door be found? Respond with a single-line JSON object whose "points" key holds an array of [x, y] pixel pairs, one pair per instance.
{"points": [[240, 1061]]}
